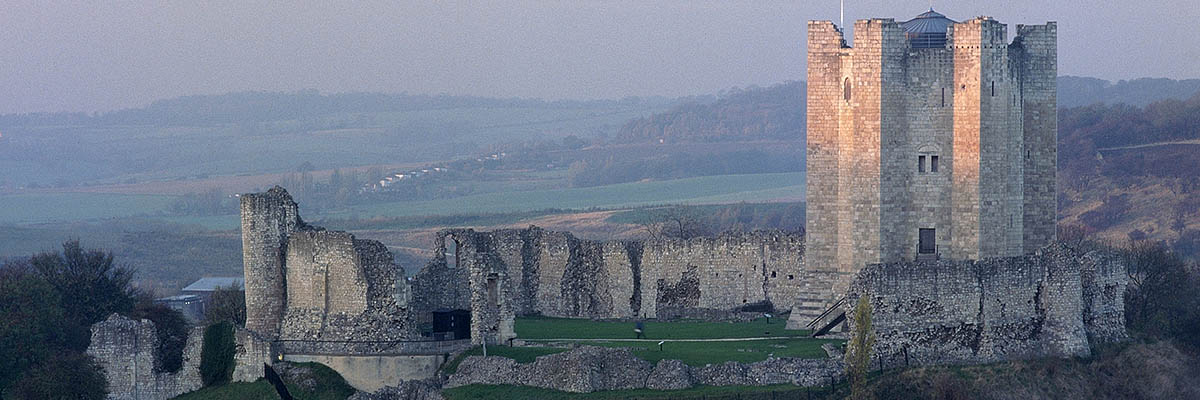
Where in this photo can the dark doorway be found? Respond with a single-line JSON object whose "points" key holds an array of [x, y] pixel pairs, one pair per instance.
{"points": [[928, 242], [451, 324]]}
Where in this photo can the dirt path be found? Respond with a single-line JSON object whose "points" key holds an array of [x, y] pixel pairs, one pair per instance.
{"points": [[1139, 146]]}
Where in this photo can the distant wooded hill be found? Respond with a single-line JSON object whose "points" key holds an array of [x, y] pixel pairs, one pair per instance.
{"points": [[257, 107], [1075, 91], [773, 112], [778, 111]]}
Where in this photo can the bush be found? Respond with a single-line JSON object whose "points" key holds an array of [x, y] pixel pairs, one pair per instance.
{"points": [[216, 357], [226, 304], [1160, 301], [67, 375]]}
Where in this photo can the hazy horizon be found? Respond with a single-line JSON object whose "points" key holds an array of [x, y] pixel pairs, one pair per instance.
{"points": [[62, 57]]}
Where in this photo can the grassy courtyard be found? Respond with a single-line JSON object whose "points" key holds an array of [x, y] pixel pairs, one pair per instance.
{"points": [[537, 328], [695, 343]]}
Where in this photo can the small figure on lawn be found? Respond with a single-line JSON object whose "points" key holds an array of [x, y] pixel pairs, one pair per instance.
{"points": [[639, 329]]}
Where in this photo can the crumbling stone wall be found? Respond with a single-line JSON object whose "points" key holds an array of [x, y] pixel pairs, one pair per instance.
{"points": [[342, 288], [306, 283], [1051, 303], [125, 350], [589, 368], [532, 271]]}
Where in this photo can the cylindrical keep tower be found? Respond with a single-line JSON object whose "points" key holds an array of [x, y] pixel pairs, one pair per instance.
{"points": [[267, 220]]}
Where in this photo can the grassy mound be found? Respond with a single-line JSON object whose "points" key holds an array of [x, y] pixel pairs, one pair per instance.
{"points": [[305, 381]]}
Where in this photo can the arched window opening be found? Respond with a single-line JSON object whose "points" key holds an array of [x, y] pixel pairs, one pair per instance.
{"points": [[846, 89]]}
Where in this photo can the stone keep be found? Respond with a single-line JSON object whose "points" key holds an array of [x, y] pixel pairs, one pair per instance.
{"points": [[929, 139]]}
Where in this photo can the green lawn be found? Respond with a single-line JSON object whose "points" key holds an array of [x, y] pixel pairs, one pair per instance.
{"points": [[699, 354], [610, 333], [470, 392], [568, 328]]}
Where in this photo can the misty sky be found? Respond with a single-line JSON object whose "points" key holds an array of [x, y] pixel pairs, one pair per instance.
{"points": [[64, 56]]}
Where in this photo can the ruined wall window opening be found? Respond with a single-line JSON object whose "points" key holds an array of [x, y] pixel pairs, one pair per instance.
{"points": [[773, 274], [451, 252], [993, 88], [943, 97], [921, 164], [933, 163], [846, 89], [493, 292], [790, 277]]}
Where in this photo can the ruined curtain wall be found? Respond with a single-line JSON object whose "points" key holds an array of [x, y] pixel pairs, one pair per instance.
{"points": [[1052, 303], [342, 288], [538, 272]]}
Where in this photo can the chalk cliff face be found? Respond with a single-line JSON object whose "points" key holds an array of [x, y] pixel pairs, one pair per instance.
{"points": [[1051, 303]]}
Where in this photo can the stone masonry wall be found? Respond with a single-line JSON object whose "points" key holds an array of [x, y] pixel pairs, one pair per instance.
{"points": [[125, 350], [535, 272], [589, 368], [1051, 303], [304, 283]]}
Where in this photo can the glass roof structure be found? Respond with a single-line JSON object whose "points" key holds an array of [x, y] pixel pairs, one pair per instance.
{"points": [[927, 30]]}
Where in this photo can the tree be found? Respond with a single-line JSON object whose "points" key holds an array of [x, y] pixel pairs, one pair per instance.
{"points": [[858, 352], [89, 285], [1160, 300], [66, 376], [30, 321], [227, 304], [675, 223]]}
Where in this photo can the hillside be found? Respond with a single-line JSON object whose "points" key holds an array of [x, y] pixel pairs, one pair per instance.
{"points": [[1132, 173], [778, 111], [774, 112]]}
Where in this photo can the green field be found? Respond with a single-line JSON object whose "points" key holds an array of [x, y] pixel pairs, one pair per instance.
{"points": [[62, 207], [699, 190]]}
